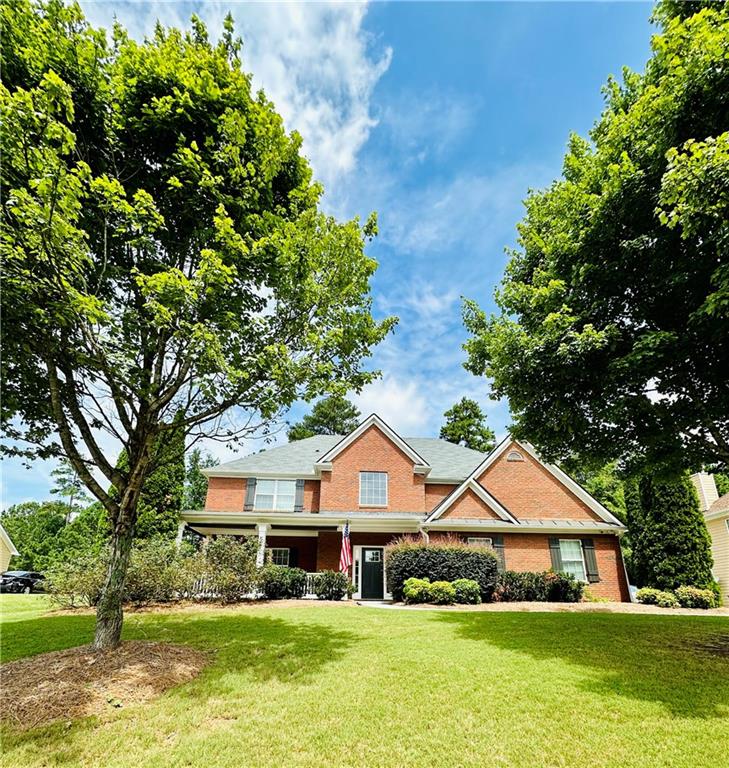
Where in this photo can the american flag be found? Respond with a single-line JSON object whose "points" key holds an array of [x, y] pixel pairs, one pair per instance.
{"points": [[345, 556]]}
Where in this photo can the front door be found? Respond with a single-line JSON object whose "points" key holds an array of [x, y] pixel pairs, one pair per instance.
{"points": [[372, 573]]}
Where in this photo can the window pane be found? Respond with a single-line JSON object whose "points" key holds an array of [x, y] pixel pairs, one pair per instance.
{"points": [[280, 555], [266, 487], [572, 563], [263, 501], [373, 488], [285, 495], [478, 541]]}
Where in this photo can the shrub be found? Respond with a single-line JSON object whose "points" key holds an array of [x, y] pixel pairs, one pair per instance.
{"points": [[693, 597], [530, 586], [648, 596], [279, 582], [716, 591], [445, 560], [416, 590], [666, 600], [77, 582], [230, 567], [442, 593], [155, 572], [332, 585], [467, 591]]}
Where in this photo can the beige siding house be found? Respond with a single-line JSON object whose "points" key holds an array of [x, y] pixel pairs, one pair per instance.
{"points": [[716, 512], [7, 550]]}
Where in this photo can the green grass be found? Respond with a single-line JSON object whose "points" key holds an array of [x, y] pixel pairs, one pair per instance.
{"points": [[325, 686]]}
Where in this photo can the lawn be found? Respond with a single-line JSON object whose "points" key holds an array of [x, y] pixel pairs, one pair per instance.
{"points": [[316, 685]]}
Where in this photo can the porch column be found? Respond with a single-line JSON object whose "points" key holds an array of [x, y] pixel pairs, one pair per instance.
{"points": [[426, 536], [180, 530], [261, 556]]}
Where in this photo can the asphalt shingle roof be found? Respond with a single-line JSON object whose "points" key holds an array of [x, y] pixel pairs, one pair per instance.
{"points": [[448, 461]]}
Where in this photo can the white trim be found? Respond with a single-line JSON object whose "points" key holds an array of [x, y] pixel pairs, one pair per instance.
{"points": [[357, 571], [373, 420], [582, 557], [275, 495], [287, 550], [8, 541], [578, 527], [262, 528], [717, 514], [262, 474], [481, 492], [387, 488]]}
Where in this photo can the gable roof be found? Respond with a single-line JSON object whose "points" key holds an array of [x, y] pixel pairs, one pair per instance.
{"points": [[448, 462], [8, 541], [373, 420], [719, 508], [471, 484], [572, 486]]}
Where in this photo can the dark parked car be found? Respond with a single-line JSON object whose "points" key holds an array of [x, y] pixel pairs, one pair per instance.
{"points": [[21, 581]]}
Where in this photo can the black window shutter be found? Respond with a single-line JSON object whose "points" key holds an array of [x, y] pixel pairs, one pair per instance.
{"points": [[555, 553], [293, 557], [497, 542], [588, 549], [250, 494], [299, 500]]}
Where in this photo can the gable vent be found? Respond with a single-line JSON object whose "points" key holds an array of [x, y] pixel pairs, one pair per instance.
{"points": [[514, 456]]}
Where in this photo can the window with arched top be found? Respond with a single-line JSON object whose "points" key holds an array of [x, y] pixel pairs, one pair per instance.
{"points": [[514, 456]]}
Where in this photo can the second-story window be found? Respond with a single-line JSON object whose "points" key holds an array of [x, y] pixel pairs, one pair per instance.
{"points": [[373, 489], [275, 495]]}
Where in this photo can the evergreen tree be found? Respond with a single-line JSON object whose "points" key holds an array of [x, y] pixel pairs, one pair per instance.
{"points": [[465, 424], [68, 484], [634, 521], [196, 483], [333, 415], [34, 527], [673, 547]]}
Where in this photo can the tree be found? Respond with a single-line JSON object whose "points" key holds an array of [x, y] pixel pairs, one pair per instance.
{"points": [[196, 483], [164, 254], [465, 424], [672, 546], [34, 527], [605, 483], [68, 484], [333, 415], [613, 337]]}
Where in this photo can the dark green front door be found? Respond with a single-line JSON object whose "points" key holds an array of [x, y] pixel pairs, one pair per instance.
{"points": [[372, 573]]}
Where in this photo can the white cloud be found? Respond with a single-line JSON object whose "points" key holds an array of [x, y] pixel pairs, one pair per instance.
{"points": [[399, 402], [315, 61]]}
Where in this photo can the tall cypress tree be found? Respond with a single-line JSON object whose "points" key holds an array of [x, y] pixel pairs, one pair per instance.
{"points": [[673, 547]]}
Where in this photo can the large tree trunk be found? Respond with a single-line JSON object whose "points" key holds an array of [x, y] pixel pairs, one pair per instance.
{"points": [[109, 613]]}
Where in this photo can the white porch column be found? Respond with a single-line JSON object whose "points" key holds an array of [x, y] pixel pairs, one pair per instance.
{"points": [[261, 556], [426, 536], [180, 531]]}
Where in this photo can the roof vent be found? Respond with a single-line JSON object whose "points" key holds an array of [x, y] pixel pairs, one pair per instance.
{"points": [[514, 456]]}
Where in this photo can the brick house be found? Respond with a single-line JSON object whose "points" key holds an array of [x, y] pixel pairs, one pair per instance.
{"points": [[297, 498]]}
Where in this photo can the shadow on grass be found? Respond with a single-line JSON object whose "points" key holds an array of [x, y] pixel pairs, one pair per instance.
{"points": [[655, 659]]}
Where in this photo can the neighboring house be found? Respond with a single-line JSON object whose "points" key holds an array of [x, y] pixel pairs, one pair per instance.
{"points": [[7, 550], [716, 513], [296, 498]]}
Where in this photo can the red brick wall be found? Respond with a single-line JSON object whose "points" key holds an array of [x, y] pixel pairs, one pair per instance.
{"points": [[528, 490], [226, 494], [311, 495], [305, 546], [330, 544], [469, 505], [372, 452], [435, 493], [530, 552]]}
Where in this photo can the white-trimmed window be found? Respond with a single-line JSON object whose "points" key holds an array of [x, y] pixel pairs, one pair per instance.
{"points": [[480, 541], [280, 555], [373, 489], [276, 495], [570, 551]]}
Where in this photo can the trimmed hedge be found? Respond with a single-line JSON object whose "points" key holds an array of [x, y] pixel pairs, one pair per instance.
{"points": [[684, 597], [332, 585], [464, 591], [530, 586], [416, 590], [467, 591], [442, 593], [441, 561], [278, 582]]}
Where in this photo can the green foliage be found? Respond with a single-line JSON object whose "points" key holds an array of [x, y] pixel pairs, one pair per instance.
{"points": [[34, 528], [467, 591], [667, 600], [465, 424], [163, 253], [78, 582], [416, 590], [722, 482], [440, 561], [196, 484], [615, 307], [334, 415], [442, 593], [671, 545], [279, 582], [332, 585], [67, 483], [531, 586], [692, 597], [230, 567], [661, 598]]}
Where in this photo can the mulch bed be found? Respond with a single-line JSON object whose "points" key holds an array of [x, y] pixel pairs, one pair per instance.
{"points": [[65, 685]]}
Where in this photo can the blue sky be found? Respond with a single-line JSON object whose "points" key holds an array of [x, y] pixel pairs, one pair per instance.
{"points": [[440, 116]]}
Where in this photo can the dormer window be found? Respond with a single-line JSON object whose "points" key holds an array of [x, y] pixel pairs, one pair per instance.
{"points": [[514, 456], [373, 489]]}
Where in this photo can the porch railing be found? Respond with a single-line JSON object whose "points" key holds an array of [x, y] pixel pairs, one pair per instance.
{"points": [[202, 590]]}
